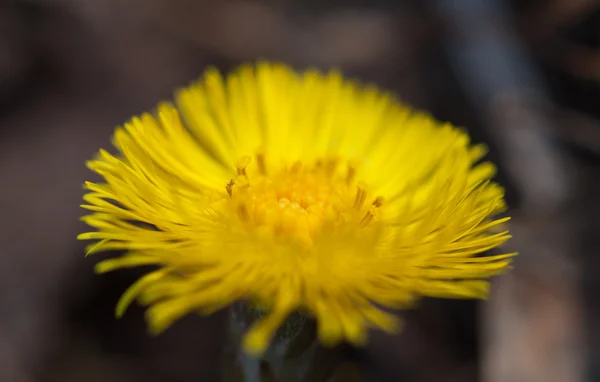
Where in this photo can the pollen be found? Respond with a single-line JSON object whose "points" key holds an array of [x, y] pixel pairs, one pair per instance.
{"points": [[294, 202]]}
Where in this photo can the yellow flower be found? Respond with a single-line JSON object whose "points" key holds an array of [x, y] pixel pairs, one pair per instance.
{"points": [[294, 192]]}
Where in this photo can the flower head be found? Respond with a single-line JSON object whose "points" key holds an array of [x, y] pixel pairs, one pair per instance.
{"points": [[294, 192]]}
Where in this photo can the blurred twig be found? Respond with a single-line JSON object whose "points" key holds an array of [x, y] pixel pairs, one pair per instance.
{"points": [[541, 26], [502, 82], [533, 326], [543, 19]]}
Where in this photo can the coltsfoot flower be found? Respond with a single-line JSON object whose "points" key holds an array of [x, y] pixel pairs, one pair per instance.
{"points": [[294, 192]]}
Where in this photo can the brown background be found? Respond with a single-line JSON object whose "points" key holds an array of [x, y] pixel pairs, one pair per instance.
{"points": [[71, 70]]}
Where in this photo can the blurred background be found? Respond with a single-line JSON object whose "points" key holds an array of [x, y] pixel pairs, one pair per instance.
{"points": [[523, 76]]}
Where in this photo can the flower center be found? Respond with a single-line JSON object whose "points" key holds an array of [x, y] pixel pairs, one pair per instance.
{"points": [[297, 200]]}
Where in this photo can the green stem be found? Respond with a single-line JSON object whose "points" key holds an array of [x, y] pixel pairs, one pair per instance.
{"points": [[294, 355]]}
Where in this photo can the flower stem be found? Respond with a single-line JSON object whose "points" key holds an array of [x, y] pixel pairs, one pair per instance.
{"points": [[294, 356]]}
